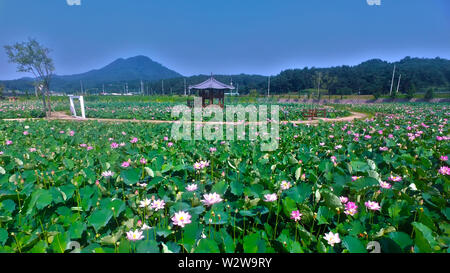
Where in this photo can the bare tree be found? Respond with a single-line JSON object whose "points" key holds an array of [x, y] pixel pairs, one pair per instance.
{"points": [[33, 58]]}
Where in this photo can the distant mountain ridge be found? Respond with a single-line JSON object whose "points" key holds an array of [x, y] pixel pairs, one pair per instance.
{"points": [[120, 70]]}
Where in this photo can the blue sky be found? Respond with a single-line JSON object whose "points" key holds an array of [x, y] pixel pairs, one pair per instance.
{"points": [[226, 36]]}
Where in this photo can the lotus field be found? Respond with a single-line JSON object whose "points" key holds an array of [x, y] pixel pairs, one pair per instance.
{"points": [[138, 110], [128, 187]]}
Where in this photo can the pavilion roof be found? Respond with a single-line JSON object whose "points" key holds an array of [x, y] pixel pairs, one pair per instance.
{"points": [[211, 83]]}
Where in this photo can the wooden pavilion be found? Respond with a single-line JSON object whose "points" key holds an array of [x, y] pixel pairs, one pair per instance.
{"points": [[212, 91]]}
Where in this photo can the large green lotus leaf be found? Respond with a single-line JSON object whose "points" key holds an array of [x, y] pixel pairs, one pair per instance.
{"points": [[300, 193], [147, 246], [39, 199], [237, 188], [424, 238], [131, 176], [289, 205], [191, 233], [76, 230], [331, 200], [353, 245], [220, 187], [207, 246], [100, 218], [402, 239], [359, 166], [254, 244], [363, 182], [227, 241], [3, 236]]}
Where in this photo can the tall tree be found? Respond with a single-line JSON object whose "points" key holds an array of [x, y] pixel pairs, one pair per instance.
{"points": [[411, 91], [31, 57]]}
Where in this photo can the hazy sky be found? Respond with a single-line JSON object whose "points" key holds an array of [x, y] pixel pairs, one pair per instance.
{"points": [[226, 36]]}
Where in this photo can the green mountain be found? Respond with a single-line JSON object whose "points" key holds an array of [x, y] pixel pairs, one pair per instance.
{"points": [[121, 70]]}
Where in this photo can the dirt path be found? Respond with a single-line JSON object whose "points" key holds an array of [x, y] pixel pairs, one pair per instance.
{"points": [[65, 117]]}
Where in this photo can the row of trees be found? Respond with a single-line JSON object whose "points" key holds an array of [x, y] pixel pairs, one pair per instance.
{"points": [[369, 78]]}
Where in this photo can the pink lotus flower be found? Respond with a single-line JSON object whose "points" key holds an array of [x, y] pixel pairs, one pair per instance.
{"points": [[1, 152], [285, 185], [125, 164], [444, 170], [25, 133], [395, 178], [270, 197], [385, 185], [372, 205], [158, 204], [9, 142], [354, 178], [384, 149], [143, 161], [145, 203], [134, 140], [32, 150], [83, 145], [170, 144], [134, 235], [343, 199], [166, 138], [191, 187], [201, 165], [367, 136], [71, 133], [444, 158], [212, 150], [296, 215], [89, 148], [211, 199], [107, 173], [390, 136], [332, 238], [181, 218], [114, 145], [351, 208]]}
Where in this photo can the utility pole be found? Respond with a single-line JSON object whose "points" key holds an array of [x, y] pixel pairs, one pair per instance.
{"points": [[318, 85], [392, 82], [231, 84], [103, 89], [142, 87], [184, 86], [81, 83], [268, 87], [398, 85], [162, 87]]}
